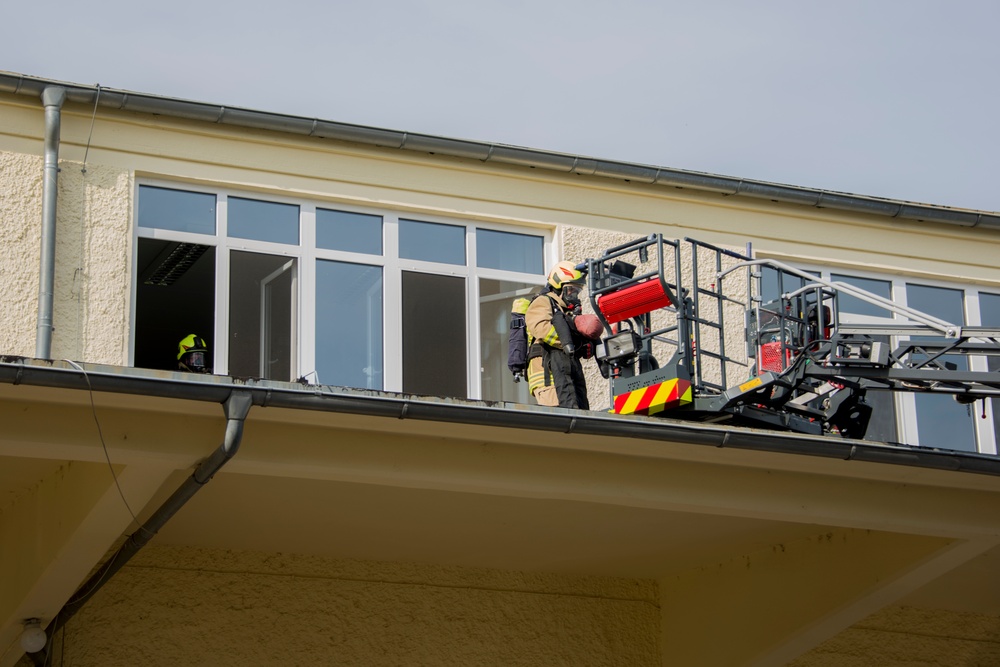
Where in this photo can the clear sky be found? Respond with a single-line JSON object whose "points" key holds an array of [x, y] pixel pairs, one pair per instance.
{"points": [[889, 98]]}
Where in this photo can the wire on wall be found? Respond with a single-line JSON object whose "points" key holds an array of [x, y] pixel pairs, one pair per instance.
{"points": [[90, 135]]}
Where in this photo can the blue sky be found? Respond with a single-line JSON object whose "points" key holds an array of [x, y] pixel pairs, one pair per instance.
{"points": [[893, 99]]}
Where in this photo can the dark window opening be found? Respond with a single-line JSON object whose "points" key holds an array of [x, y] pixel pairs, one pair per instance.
{"points": [[175, 297]]}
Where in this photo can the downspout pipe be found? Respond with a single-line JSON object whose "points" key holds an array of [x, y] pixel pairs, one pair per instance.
{"points": [[53, 98], [236, 408]]}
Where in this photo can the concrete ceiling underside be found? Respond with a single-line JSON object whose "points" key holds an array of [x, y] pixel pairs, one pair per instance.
{"points": [[369, 488]]}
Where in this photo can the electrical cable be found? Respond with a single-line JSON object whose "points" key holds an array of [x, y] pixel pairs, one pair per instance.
{"points": [[100, 433], [90, 136]]}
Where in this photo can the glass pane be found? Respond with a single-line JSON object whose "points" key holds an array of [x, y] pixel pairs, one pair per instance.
{"points": [[351, 232], [168, 310], [882, 425], [989, 311], [261, 326], [276, 323], [853, 305], [349, 324], [263, 221], [993, 365], [941, 302], [495, 300], [774, 283], [941, 421], [178, 210], [434, 335], [510, 252], [431, 242]]}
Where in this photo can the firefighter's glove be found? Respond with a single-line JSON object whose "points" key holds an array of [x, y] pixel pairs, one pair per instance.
{"points": [[585, 351], [588, 326]]}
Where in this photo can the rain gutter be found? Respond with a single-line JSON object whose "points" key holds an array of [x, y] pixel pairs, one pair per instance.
{"points": [[236, 406], [218, 389], [499, 153]]}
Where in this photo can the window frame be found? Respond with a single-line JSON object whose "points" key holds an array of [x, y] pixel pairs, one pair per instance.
{"points": [[306, 254]]}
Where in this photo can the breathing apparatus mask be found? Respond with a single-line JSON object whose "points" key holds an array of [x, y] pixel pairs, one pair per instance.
{"points": [[570, 294]]}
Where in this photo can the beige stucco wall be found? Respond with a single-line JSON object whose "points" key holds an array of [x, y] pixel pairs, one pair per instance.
{"points": [[177, 606], [91, 292], [900, 636], [21, 212], [95, 209]]}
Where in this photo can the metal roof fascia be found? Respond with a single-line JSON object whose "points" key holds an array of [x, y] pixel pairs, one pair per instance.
{"points": [[217, 389]]}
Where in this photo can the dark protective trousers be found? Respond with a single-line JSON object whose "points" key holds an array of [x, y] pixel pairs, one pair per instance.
{"points": [[567, 376]]}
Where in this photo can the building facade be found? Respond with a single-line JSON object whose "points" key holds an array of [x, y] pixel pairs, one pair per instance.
{"points": [[396, 499]]}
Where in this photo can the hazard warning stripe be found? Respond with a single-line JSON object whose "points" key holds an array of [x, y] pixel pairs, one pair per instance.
{"points": [[666, 393], [654, 399], [629, 402]]}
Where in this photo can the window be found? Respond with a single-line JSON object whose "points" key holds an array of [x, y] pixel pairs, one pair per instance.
{"points": [[495, 299], [989, 314], [431, 242], [434, 334], [263, 221], [164, 208], [349, 350], [353, 232], [883, 424], [288, 290], [928, 419], [775, 282], [942, 421], [511, 252], [859, 307], [262, 323]]}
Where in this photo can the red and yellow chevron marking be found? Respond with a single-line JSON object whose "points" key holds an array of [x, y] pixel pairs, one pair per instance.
{"points": [[653, 399]]}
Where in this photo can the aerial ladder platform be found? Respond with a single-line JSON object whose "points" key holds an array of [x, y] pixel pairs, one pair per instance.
{"points": [[690, 335]]}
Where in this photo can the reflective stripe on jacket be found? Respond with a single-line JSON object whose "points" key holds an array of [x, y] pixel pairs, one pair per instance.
{"points": [[538, 319]]}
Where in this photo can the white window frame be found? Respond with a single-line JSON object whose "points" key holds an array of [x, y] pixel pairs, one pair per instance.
{"points": [[306, 254]]}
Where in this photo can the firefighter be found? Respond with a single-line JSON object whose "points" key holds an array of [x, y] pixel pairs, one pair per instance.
{"points": [[555, 374], [192, 355]]}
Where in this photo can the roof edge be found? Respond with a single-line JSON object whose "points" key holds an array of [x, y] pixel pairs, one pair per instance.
{"points": [[11, 82], [217, 389]]}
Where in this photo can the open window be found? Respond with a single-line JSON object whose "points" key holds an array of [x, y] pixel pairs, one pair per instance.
{"points": [[262, 316], [175, 297]]}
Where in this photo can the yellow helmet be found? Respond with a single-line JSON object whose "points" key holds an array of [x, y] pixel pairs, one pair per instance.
{"points": [[563, 273], [192, 354]]}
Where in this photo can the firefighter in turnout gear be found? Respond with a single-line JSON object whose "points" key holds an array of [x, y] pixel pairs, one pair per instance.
{"points": [[555, 375]]}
